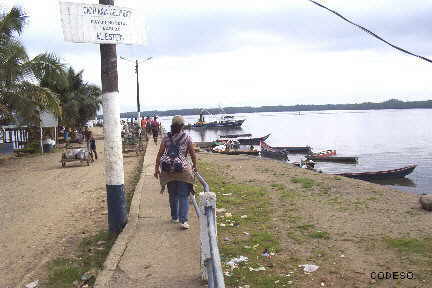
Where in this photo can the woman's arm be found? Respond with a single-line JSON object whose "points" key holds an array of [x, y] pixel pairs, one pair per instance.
{"points": [[193, 156], [158, 157]]}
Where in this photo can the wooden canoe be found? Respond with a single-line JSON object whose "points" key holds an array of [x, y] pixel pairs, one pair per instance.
{"points": [[381, 175]]}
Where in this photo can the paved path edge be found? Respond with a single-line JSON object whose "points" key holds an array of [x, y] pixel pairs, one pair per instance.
{"points": [[121, 243]]}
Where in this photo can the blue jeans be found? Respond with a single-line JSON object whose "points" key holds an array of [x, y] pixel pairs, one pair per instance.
{"points": [[178, 199]]}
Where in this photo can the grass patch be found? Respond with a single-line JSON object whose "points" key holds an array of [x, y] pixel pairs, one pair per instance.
{"points": [[89, 258], [248, 228], [319, 235], [411, 245], [306, 182], [130, 189], [305, 227], [279, 187]]}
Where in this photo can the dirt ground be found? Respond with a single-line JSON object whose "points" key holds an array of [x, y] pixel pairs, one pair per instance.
{"points": [[350, 228], [46, 209]]}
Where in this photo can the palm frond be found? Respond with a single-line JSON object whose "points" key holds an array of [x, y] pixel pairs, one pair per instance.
{"points": [[47, 65], [12, 57], [12, 22], [24, 96]]}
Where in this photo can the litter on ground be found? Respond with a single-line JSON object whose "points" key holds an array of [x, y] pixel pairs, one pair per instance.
{"points": [[33, 284], [233, 263], [257, 269], [309, 268]]}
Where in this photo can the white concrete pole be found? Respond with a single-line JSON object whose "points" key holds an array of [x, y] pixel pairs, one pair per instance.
{"points": [[116, 200], [41, 136]]}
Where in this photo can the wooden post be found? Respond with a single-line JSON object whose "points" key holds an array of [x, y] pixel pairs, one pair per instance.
{"points": [[114, 173]]}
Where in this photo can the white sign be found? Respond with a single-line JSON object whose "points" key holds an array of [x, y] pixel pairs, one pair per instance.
{"points": [[48, 119], [103, 24]]}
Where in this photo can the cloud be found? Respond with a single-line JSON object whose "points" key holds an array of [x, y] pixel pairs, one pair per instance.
{"points": [[194, 27], [235, 53]]}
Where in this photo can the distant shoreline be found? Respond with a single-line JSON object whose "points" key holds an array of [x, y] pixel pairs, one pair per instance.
{"points": [[390, 104]]}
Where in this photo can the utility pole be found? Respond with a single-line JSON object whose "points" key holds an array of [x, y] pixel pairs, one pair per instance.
{"points": [[138, 100], [137, 84], [114, 173]]}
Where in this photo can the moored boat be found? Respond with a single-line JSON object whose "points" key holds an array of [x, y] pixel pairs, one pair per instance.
{"points": [[216, 124], [295, 149], [338, 159], [238, 152], [232, 147], [225, 121], [325, 153], [381, 175], [268, 152], [235, 135], [252, 141]]}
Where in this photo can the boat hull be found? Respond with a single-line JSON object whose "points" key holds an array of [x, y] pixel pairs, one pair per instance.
{"points": [[295, 149], [279, 155], [381, 175], [239, 152], [252, 141], [235, 135], [337, 159]]}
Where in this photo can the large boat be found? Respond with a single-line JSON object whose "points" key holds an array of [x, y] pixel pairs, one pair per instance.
{"points": [[381, 175], [225, 121]]}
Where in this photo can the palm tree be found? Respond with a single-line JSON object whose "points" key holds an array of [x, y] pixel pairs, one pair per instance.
{"points": [[79, 100], [20, 94]]}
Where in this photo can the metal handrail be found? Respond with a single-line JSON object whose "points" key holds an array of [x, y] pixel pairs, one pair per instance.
{"points": [[203, 182], [213, 264], [214, 250]]}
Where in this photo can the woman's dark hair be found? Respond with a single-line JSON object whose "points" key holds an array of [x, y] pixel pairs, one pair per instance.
{"points": [[176, 128]]}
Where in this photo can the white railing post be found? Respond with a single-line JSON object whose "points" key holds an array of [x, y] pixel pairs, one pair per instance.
{"points": [[206, 199]]}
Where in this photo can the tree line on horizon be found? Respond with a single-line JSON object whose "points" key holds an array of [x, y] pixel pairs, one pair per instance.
{"points": [[389, 104]]}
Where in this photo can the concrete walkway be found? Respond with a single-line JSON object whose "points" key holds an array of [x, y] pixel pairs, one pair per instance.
{"points": [[151, 251]]}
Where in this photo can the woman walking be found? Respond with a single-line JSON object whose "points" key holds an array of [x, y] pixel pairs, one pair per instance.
{"points": [[155, 126], [175, 171]]}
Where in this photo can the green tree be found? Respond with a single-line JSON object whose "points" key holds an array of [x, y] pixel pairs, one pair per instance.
{"points": [[20, 93], [79, 100]]}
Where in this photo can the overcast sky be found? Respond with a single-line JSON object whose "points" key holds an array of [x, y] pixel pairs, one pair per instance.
{"points": [[254, 53]]}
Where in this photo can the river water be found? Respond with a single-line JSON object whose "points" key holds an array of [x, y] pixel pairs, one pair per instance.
{"points": [[382, 139]]}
